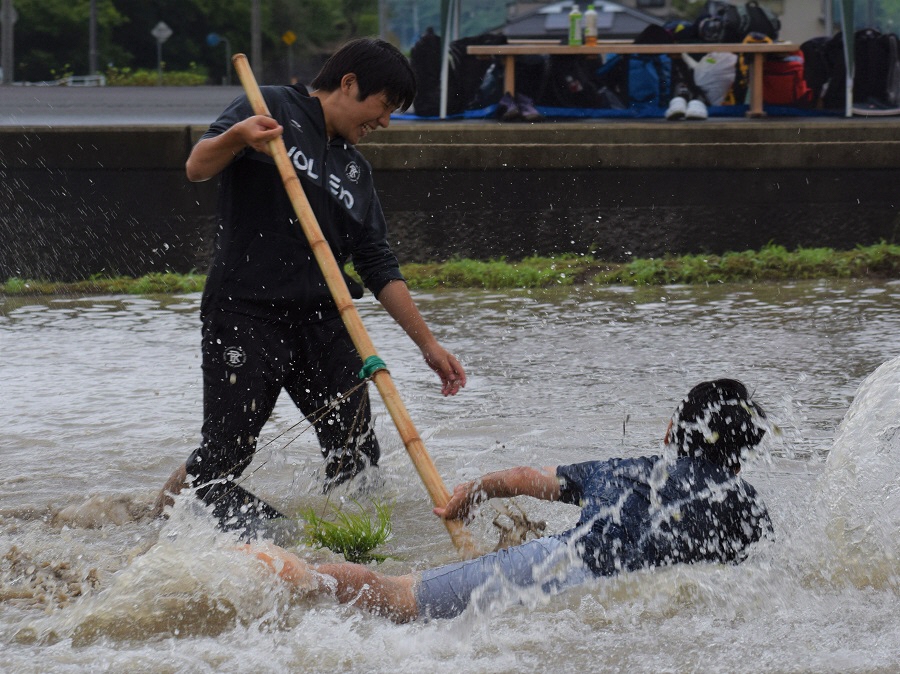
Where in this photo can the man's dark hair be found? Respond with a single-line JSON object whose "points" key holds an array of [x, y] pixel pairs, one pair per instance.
{"points": [[717, 421], [379, 67]]}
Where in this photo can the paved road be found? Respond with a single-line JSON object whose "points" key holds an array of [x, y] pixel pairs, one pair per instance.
{"points": [[110, 106], [28, 106]]}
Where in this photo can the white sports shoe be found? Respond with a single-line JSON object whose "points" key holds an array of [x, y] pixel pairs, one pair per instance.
{"points": [[677, 108], [696, 109]]}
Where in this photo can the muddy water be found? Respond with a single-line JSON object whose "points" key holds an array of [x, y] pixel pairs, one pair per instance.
{"points": [[102, 399]]}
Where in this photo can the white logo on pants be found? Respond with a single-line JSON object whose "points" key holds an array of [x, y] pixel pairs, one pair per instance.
{"points": [[234, 356]]}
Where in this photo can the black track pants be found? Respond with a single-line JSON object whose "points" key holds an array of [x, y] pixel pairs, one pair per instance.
{"points": [[246, 364]]}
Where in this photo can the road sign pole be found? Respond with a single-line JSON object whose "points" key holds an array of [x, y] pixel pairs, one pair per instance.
{"points": [[289, 37], [92, 39], [8, 19], [161, 32]]}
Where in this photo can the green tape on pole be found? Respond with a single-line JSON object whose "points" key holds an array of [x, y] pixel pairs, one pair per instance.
{"points": [[371, 366]]}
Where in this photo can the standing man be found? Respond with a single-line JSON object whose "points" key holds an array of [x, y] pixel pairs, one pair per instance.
{"points": [[269, 322]]}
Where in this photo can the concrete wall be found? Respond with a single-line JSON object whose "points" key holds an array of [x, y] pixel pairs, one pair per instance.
{"points": [[81, 201], [639, 189]]}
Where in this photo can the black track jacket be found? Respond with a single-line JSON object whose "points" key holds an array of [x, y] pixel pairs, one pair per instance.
{"points": [[262, 264]]}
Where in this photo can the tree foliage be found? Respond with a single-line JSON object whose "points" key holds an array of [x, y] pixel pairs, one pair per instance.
{"points": [[51, 36]]}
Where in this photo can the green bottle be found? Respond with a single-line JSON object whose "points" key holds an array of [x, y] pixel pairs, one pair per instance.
{"points": [[575, 27]]}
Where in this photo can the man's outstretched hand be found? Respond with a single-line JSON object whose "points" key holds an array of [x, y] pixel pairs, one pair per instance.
{"points": [[448, 368], [465, 496]]}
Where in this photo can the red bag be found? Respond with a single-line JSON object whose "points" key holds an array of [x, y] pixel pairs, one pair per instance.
{"points": [[784, 83]]}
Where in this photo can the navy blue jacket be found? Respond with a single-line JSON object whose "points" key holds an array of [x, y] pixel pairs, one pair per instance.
{"points": [[644, 512]]}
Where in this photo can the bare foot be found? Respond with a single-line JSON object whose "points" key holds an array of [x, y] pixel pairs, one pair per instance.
{"points": [[176, 482], [287, 565]]}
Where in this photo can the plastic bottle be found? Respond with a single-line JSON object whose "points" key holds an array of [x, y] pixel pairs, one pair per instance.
{"points": [[575, 27], [590, 26]]}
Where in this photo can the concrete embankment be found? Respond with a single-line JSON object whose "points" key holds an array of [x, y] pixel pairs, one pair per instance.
{"points": [[622, 189], [88, 199]]}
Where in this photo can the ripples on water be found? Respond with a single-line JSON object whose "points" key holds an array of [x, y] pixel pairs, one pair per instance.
{"points": [[103, 399]]}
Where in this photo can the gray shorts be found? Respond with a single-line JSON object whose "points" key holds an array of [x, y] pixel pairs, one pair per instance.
{"points": [[445, 591]]}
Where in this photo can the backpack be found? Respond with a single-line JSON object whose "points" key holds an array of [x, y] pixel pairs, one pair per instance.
{"points": [[569, 84], [761, 20], [531, 81], [742, 71], [723, 22], [641, 81], [784, 79], [892, 81], [425, 60], [784, 82], [815, 65], [465, 74], [877, 69]]}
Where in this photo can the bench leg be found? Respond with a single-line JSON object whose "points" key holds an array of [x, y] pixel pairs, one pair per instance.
{"points": [[756, 87], [509, 74]]}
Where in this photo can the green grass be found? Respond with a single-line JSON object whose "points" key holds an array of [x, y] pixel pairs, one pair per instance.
{"points": [[531, 272], [355, 535], [772, 263], [156, 283]]}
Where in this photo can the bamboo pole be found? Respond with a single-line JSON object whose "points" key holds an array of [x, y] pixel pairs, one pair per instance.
{"points": [[461, 537]]}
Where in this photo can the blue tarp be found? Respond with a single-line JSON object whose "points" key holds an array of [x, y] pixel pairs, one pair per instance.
{"points": [[644, 113]]}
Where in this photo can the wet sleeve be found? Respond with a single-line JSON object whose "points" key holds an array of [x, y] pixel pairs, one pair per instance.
{"points": [[240, 109], [372, 256], [742, 524], [571, 482]]}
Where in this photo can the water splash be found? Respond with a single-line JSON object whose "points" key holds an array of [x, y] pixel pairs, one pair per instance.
{"points": [[193, 582], [859, 493], [102, 510], [790, 607]]}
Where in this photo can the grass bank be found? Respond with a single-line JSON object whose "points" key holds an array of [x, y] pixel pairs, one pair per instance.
{"points": [[772, 263], [165, 283]]}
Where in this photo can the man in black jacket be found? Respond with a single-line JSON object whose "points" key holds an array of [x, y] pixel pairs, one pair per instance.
{"points": [[269, 322]]}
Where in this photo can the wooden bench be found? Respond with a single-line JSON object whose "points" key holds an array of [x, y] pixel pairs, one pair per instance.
{"points": [[759, 51]]}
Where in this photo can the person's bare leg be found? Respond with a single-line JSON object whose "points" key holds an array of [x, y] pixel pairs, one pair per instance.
{"points": [[390, 596], [176, 482]]}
